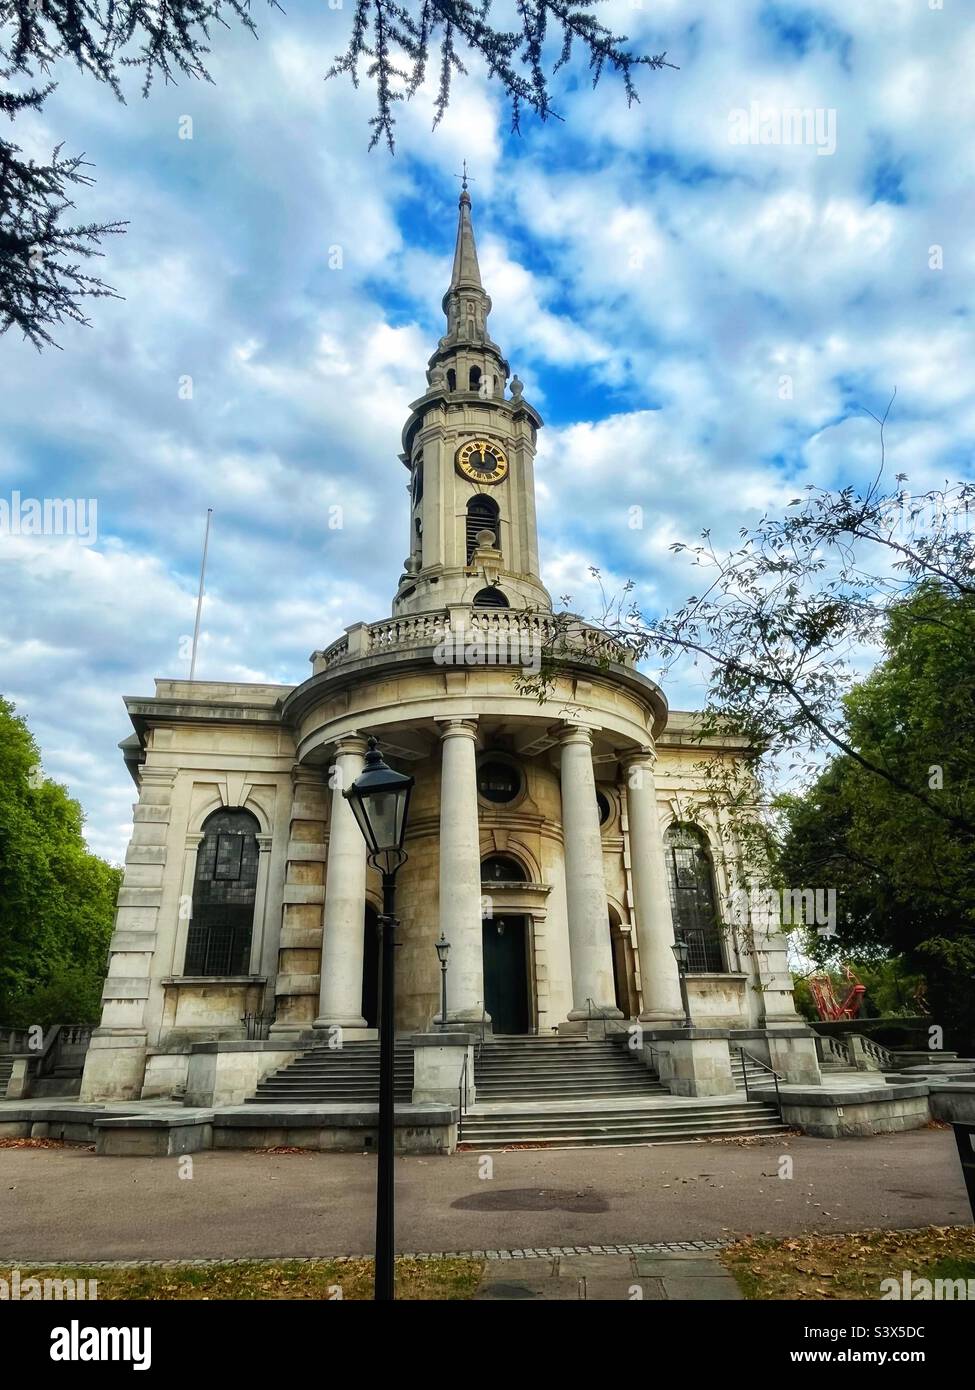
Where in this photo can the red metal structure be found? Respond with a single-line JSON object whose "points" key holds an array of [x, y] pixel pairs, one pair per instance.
{"points": [[830, 1008]]}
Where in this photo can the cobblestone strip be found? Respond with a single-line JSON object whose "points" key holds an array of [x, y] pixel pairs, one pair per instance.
{"points": [[542, 1252]]}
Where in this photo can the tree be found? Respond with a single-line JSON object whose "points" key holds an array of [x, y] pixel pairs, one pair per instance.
{"points": [[782, 627], [904, 874], [57, 900], [42, 280], [398, 40]]}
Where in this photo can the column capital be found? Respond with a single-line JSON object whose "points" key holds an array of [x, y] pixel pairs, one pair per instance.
{"points": [[458, 728], [634, 757], [307, 775], [350, 743], [263, 843], [194, 839], [157, 776], [573, 733]]}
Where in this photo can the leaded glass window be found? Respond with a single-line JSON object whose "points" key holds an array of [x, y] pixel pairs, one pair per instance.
{"points": [[692, 896], [219, 938]]}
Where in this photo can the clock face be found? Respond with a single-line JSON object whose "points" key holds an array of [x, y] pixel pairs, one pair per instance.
{"points": [[482, 461]]}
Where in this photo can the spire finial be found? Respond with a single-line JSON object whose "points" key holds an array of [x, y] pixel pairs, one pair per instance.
{"points": [[465, 179]]}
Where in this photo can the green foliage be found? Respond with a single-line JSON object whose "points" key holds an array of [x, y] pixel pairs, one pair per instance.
{"points": [[805, 1004], [57, 900], [72, 995], [904, 873]]}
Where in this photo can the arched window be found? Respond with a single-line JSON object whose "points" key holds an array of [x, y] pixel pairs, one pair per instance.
{"points": [[490, 598], [692, 896], [475, 378], [451, 379], [418, 482], [482, 515], [219, 938], [501, 868]]}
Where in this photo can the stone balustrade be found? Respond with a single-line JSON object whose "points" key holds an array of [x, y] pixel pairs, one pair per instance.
{"points": [[504, 633]]}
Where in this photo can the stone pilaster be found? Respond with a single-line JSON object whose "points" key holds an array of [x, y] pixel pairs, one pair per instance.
{"points": [[116, 1061], [300, 943], [590, 948], [651, 896], [460, 869]]}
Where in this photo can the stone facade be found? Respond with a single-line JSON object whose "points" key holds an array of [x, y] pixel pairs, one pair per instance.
{"points": [[538, 829]]}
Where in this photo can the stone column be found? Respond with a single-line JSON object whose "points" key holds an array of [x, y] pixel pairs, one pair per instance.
{"points": [[651, 894], [460, 870], [340, 990], [590, 948]]}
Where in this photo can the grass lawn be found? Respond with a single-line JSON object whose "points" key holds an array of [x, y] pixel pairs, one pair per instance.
{"points": [[321, 1279], [849, 1266]]}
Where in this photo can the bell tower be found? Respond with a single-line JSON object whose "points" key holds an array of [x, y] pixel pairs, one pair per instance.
{"points": [[470, 451]]}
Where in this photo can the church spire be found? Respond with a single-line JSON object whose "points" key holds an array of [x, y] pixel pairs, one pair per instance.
{"points": [[466, 273], [467, 343], [470, 449]]}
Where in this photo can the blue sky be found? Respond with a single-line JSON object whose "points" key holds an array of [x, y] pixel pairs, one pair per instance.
{"points": [[653, 282]]}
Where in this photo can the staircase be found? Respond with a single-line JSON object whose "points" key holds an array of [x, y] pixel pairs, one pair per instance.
{"points": [[758, 1076], [6, 1067], [569, 1092], [324, 1074], [582, 1126], [527, 1069]]}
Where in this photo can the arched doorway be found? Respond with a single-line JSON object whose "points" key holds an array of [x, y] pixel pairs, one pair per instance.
{"points": [[624, 974], [370, 968]]}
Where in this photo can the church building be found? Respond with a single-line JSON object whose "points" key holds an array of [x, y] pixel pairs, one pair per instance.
{"points": [[560, 845]]}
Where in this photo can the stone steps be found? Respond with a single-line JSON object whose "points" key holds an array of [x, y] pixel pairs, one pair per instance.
{"points": [[600, 1081], [350, 1073], [588, 1127], [541, 1069], [6, 1067]]}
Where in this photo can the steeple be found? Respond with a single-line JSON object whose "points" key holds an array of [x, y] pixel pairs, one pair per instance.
{"points": [[466, 273], [467, 343], [470, 449]]}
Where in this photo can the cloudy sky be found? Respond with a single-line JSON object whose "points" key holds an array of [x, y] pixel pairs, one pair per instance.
{"points": [[655, 277]]}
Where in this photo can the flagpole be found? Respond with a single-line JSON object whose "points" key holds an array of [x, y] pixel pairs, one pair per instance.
{"points": [[199, 600]]}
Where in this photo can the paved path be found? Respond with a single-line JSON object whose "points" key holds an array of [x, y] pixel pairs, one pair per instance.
{"points": [[631, 1277], [67, 1203]]}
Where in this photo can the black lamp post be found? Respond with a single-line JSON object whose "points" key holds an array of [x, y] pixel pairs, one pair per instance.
{"points": [[380, 800], [443, 947], [682, 953]]}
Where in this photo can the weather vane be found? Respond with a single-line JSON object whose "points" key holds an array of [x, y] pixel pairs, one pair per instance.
{"points": [[465, 178]]}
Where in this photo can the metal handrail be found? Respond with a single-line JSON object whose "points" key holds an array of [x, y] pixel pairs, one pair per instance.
{"points": [[765, 1067], [462, 1099], [601, 1015]]}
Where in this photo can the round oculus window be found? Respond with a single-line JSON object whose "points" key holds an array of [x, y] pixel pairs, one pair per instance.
{"points": [[498, 781]]}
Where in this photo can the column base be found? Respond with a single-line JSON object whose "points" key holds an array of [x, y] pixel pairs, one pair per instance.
{"points": [[597, 1014], [115, 1065], [347, 1022], [663, 1018], [592, 1028], [471, 1018]]}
